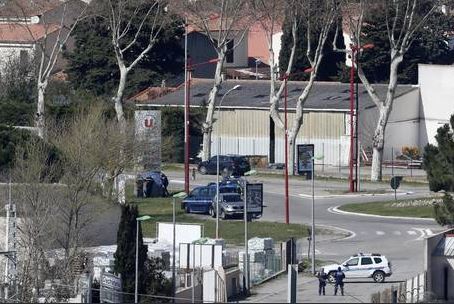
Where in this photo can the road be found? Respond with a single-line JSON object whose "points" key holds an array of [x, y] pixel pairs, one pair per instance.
{"points": [[401, 240]]}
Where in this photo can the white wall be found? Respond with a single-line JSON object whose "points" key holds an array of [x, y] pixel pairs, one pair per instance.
{"points": [[437, 99], [9, 52]]}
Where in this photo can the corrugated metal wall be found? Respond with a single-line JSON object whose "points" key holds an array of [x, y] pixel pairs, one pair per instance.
{"points": [[247, 132]]}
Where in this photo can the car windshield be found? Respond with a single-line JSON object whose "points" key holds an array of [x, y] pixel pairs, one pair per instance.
{"points": [[231, 198]]}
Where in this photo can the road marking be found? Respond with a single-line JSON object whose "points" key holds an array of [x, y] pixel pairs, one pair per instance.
{"points": [[422, 231], [379, 232], [397, 233], [411, 232], [429, 232], [336, 210], [354, 195], [352, 234]]}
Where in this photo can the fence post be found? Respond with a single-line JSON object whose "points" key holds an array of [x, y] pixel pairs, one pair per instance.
{"points": [[291, 283], [323, 158], [339, 158]]}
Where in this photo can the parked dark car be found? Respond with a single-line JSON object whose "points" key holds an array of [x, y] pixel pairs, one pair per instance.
{"points": [[228, 165], [199, 200]]}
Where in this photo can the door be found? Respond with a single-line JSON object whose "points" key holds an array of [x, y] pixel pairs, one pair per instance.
{"points": [[366, 267], [191, 200], [351, 268], [212, 164]]}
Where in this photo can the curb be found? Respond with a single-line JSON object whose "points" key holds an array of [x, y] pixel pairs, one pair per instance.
{"points": [[356, 195], [336, 210]]}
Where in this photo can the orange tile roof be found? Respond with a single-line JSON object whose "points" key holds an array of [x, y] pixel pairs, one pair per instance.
{"points": [[25, 33], [27, 8]]}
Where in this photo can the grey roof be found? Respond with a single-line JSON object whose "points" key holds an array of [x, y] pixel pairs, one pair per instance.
{"points": [[255, 94], [445, 246]]}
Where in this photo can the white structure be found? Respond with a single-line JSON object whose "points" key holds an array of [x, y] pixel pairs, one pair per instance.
{"points": [[437, 99]]}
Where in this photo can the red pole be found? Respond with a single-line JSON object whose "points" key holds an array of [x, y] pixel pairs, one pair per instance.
{"points": [[187, 133], [352, 98], [286, 152]]}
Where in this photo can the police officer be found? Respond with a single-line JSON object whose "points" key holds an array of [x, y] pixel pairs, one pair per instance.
{"points": [[339, 276]]}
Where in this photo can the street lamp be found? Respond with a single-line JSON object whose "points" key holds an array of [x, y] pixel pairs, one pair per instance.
{"points": [[285, 79], [187, 86], [175, 196], [313, 158], [246, 258], [237, 87], [136, 290], [354, 116]]}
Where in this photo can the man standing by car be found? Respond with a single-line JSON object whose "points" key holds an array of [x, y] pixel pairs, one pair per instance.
{"points": [[339, 276], [322, 277]]}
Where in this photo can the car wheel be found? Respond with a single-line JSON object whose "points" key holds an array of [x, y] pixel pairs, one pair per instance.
{"points": [[203, 170], [331, 277], [187, 209], [379, 276], [222, 215], [211, 211]]}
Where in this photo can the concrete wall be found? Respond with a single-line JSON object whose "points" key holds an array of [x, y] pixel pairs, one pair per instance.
{"points": [[435, 265], [437, 99], [247, 132], [403, 124]]}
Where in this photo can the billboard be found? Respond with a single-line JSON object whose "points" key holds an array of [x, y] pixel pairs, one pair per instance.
{"points": [[110, 288], [148, 139], [305, 162], [184, 233], [254, 197]]}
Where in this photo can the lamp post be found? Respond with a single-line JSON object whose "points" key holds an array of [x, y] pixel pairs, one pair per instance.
{"points": [[136, 288], [217, 157], [187, 102], [354, 116], [285, 79], [246, 258], [313, 158], [175, 196]]}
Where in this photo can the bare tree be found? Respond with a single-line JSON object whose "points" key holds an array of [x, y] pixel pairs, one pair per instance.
{"points": [[50, 37], [35, 200], [319, 18], [128, 20], [404, 18], [224, 22]]}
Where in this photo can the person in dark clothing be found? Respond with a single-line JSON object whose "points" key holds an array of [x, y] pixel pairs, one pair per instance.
{"points": [[165, 183], [339, 276], [322, 277]]}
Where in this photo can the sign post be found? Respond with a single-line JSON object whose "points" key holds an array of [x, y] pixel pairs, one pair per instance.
{"points": [[148, 138], [305, 154], [110, 288]]}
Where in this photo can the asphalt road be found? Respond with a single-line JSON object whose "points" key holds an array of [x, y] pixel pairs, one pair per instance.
{"points": [[400, 240]]}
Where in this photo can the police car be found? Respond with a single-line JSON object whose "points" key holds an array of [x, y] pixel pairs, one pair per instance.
{"points": [[362, 265]]}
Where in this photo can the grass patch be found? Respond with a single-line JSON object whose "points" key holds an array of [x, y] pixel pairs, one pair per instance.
{"points": [[405, 208], [160, 209]]}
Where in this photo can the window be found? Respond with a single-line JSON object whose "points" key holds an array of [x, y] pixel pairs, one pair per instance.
{"points": [[23, 58], [377, 260], [204, 192], [229, 55], [195, 192], [352, 262], [366, 261]]}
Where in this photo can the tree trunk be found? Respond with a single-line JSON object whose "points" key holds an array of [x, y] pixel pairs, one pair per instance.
{"points": [[208, 125], [378, 140], [118, 99], [39, 118], [291, 152]]}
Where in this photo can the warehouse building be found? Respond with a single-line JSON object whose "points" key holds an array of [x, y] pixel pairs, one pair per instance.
{"points": [[245, 127]]}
